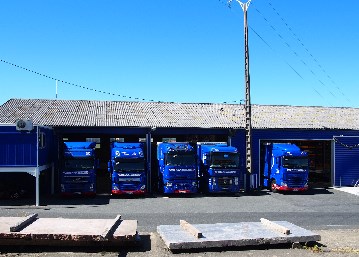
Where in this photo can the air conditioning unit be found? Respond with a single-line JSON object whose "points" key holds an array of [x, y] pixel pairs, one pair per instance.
{"points": [[24, 125]]}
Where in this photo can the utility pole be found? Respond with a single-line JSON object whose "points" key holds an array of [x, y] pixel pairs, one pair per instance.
{"points": [[247, 94]]}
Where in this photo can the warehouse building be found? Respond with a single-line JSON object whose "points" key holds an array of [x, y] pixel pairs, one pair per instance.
{"points": [[330, 135]]}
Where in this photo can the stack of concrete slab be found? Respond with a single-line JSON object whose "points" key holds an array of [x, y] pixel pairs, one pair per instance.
{"points": [[200, 236], [31, 230]]}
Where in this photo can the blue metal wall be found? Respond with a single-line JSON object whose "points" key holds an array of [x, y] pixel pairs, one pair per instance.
{"points": [[347, 160], [19, 148], [342, 159]]}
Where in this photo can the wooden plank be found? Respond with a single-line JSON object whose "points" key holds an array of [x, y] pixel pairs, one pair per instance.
{"points": [[126, 231], [190, 229], [111, 228], [276, 227], [23, 223]]}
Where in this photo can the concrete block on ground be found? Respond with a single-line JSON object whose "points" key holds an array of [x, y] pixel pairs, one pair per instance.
{"points": [[64, 231], [232, 234]]}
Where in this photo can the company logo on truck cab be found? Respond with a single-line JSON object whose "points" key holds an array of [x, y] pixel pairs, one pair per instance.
{"points": [[180, 169], [129, 175], [225, 171]]}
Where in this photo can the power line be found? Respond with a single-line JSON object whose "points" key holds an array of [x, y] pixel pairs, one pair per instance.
{"points": [[73, 84], [299, 75], [92, 89], [296, 54], [287, 45], [308, 52]]}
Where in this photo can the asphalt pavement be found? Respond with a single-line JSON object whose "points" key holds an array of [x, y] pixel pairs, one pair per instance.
{"points": [[331, 212]]}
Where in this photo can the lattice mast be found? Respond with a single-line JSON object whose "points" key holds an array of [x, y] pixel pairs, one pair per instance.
{"points": [[247, 91]]}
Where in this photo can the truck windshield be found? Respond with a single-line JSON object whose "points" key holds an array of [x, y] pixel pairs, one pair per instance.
{"points": [[129, 164], [79, 164], [180, 159], [295, 162], [224, 160]]}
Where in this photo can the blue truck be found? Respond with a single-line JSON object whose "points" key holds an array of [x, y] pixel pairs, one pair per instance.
{"points": [[177, 171], [286, 167], [218, 167], [128, 169], [78, 169]]}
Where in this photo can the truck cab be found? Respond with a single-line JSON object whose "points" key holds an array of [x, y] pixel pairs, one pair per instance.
{"points": [[78, 169], [177, 169], [128, 169], [286, 167], [218, 166]]}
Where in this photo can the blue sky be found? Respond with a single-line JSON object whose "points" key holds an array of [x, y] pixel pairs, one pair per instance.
{"points": [[302, 53]]}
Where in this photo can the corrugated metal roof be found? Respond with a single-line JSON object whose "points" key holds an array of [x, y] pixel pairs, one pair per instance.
{"points": [[181, 115]]}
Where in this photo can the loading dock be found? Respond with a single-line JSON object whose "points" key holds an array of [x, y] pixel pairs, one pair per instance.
{"points": [[310, 126], [320, 159]]}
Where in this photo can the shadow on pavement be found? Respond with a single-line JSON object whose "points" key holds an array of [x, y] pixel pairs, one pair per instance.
{"points": [[143, 245]]}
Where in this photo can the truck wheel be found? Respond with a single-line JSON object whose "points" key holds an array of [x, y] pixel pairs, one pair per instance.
{"points": [[273, 186]]}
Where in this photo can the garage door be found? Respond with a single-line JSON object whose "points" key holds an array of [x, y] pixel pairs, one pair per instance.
{"points": [[346, 161]]}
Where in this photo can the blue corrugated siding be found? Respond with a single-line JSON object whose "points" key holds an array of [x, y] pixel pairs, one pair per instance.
{"points": [[346, 161], [17, 149]]}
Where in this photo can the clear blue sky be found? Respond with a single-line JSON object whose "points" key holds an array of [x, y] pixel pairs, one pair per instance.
{"points": [[301, 52]]}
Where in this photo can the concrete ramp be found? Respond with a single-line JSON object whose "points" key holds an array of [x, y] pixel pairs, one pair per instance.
{"points": [[200, 236], [31, 230]]}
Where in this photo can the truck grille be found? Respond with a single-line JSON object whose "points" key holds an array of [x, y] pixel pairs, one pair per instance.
{"points": [[225, 183], [129, 186], [295, 181]]}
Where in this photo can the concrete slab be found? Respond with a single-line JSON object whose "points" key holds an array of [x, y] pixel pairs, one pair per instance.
{"points": [[58, 231], [350, 190], [232, 234]]}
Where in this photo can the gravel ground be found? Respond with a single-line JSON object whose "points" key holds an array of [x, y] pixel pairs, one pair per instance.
{"points": [[335, 242]]}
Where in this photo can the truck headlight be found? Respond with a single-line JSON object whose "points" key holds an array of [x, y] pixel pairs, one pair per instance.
{"points": [[236, 181], [168, 184], [194, 184], [283, 184], [143, 187]]}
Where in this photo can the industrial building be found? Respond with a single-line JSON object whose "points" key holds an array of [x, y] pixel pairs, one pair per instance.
{"points": [[329, 134]]}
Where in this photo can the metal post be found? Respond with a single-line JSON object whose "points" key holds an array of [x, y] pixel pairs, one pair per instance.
{"points": [[37, 179], [37, 171], [148, 157]]}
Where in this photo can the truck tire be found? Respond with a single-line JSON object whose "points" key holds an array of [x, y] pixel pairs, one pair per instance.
{"points": [[272, 186]]}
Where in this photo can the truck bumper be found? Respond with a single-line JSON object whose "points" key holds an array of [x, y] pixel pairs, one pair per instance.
{"points": [[128, 192], [73, 194], [290, 189]]}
